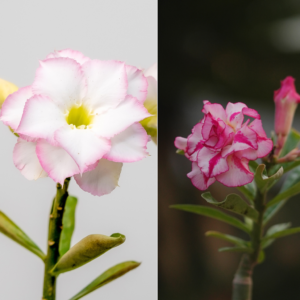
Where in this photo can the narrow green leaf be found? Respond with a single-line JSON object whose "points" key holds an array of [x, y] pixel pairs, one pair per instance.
{"points": [[267, 241], [68, 225], [249, 190], [253, 165], [291, 143], [11, 230], [226, 237], [235, 249], [283, 233], [213, 213], [263, 182], [292, 191], [89, 248], [272, 211], [233, 203], [106, 277]]}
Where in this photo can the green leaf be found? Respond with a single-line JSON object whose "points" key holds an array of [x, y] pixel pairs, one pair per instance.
{"points": [[263, 182], [213, 213], [106, 277], [235, 249], [68, 225], [291, 143], [271, 212], [292, 191], [233, 203], [89, 248], [282, 233], [267, 241], [226, 237], [249, 190], [180, 152], [11, 230]]}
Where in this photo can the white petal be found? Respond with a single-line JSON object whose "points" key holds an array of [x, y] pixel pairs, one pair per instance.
{"points": [[130, 145], [62, 80], [73, 54], [137, 83], [102, 180], [12, 108], [118, 119], [83, 145], [106, 84], [41, 118], [152, 71], [26, 160], [56, 161]]}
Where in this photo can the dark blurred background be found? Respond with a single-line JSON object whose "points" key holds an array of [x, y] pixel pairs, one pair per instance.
{"points": [[220, 51]]}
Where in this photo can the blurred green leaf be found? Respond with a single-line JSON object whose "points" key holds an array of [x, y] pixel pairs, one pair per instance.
{"points": [[292, 191], [68, 225], [236, 249], [249, 190], [233, 203], [179, 151], [89, 248], [282, 233], [106, 277], [263, 182], [213, 213], [11, 230], [229, 238]]}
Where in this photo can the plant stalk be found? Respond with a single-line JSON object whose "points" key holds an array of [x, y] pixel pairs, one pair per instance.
{"points": [[55, 228], [242, 282]]}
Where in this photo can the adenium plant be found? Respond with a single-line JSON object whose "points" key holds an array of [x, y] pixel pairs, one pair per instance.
{"points": [[224, 146], [79, 118]]}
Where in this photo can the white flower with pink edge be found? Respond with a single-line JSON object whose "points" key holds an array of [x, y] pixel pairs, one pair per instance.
{"points": [[79, 118], [222, 144]]}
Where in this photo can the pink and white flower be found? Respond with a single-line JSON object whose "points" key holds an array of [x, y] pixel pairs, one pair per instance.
{"points": [[221, 145], [79, 118], [286, 101]]}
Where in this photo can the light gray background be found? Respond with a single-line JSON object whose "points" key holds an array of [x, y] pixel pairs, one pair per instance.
{"points": [[124, 30]]}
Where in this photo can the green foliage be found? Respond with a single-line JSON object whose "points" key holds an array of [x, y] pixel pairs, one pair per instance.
{"points": [[89, 248], [180, 152], [11, 230], [106, 277], [213, 213], [264, 182], [229, 238], [236, 249], [261, 256], [282, 233], [68, 225], [233, 203]]}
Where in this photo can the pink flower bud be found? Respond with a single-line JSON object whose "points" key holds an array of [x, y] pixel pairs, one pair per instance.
{"points": [[286, 100]]}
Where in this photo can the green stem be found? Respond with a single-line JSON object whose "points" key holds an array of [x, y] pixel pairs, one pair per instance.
{"points": [[242, 282], [55, 228]]}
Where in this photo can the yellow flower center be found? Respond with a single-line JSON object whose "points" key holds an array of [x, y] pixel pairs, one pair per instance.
{"points": [[79, 116]]}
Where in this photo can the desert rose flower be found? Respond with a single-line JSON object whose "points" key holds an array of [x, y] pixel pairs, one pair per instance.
{"points": [[150, 124], [80, 118], [221, 145], [286, 100], [6, 88]]}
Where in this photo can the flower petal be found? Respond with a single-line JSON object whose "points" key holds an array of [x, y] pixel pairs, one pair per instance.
{"points": [[194, 140], [130, 145], [137, 83], [256, 125], [180, 143], [102, 180], [118, 119], [238, 173], [199, 180], [82, 145], [41, 118], [265, 146], [26, 160], [211, 162], [12, 109], [56, 161], [215, 109], [106, 84], [152, 71], [69, 53], [62, 80]]}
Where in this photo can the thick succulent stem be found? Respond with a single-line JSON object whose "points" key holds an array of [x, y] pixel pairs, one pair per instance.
{"points": [[55, 228], [242, 282]]}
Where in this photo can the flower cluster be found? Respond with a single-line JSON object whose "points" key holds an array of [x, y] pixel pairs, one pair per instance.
{"points": [[221, 145], [80, 118]]}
